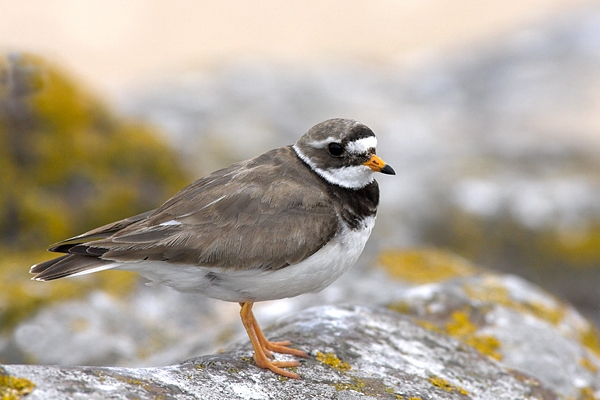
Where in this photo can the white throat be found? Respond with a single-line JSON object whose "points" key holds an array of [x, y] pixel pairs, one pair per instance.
{"points": [[354, 177]]}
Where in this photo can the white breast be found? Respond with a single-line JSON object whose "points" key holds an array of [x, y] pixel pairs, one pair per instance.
{"points": [[310, 275]]}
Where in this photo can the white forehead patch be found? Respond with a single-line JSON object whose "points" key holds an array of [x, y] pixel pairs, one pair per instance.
{"points": [[361, 146], [319, 144]]}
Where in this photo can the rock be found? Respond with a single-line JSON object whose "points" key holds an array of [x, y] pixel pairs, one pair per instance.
{"points": [[503, 316], [356, 352], [430, 325]]}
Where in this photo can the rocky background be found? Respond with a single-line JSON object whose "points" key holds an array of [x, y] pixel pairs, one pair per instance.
{"points": [[497, 153]]}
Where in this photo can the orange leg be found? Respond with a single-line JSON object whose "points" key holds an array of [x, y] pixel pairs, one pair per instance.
{"points": [[262, 347], [277, 347]]}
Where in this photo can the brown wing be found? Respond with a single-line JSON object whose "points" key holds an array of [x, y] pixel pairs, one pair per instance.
{"points": [[265, 213], [97, 233]]}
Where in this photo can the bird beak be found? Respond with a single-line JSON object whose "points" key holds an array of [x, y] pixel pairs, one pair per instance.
{"points": [[378, 165]]}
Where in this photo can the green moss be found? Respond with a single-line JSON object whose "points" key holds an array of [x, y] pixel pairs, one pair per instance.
{"points": [[424, 266], [331, 360], [68, 164], [13, 388]]}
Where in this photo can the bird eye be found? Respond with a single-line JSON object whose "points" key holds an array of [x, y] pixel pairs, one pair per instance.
{"points": [[335, 149]]}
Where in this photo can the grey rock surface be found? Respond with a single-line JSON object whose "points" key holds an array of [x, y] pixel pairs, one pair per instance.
{"points": [[446, 330], [357, 352], [514, 322]]}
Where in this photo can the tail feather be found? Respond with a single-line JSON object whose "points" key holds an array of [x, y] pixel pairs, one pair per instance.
{"points": [[69, 265], [82, 258]]}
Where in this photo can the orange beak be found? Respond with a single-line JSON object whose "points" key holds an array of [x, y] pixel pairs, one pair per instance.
{"points": [[378, 165]]}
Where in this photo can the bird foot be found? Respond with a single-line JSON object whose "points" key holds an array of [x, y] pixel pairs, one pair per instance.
{"points": [[276, 366], [264, 349], [282, 348]]}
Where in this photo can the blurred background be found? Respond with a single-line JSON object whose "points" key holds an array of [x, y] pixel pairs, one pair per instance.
{"points": [[488, 111]]}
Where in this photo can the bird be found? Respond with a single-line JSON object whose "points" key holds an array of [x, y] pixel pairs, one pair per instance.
{"points": [[287, 222]]}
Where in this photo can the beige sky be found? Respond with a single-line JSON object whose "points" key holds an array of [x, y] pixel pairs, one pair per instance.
{"points": [[113, 44]]}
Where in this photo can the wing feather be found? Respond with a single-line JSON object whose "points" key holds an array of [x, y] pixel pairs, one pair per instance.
{"points": [[97, 233], [266, 213]]}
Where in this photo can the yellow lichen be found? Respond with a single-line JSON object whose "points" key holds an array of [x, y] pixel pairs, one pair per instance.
{"points": [[589, 338], [489, 291], [13, 388], [424, 266], [492, 291], [486, 344], [357, 384], [549, 314], [402, 307], [490, 239], [399, 396], [430, 326], [332, 360], [445, 385], [461, 327], [587, 393], [136, 382], [578, 248], [589, 365]]}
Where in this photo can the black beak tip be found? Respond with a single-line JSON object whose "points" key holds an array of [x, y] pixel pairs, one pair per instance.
{"points": [[388, 170]]}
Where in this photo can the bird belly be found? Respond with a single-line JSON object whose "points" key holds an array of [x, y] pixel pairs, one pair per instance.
{"points": [[313, 274]]}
